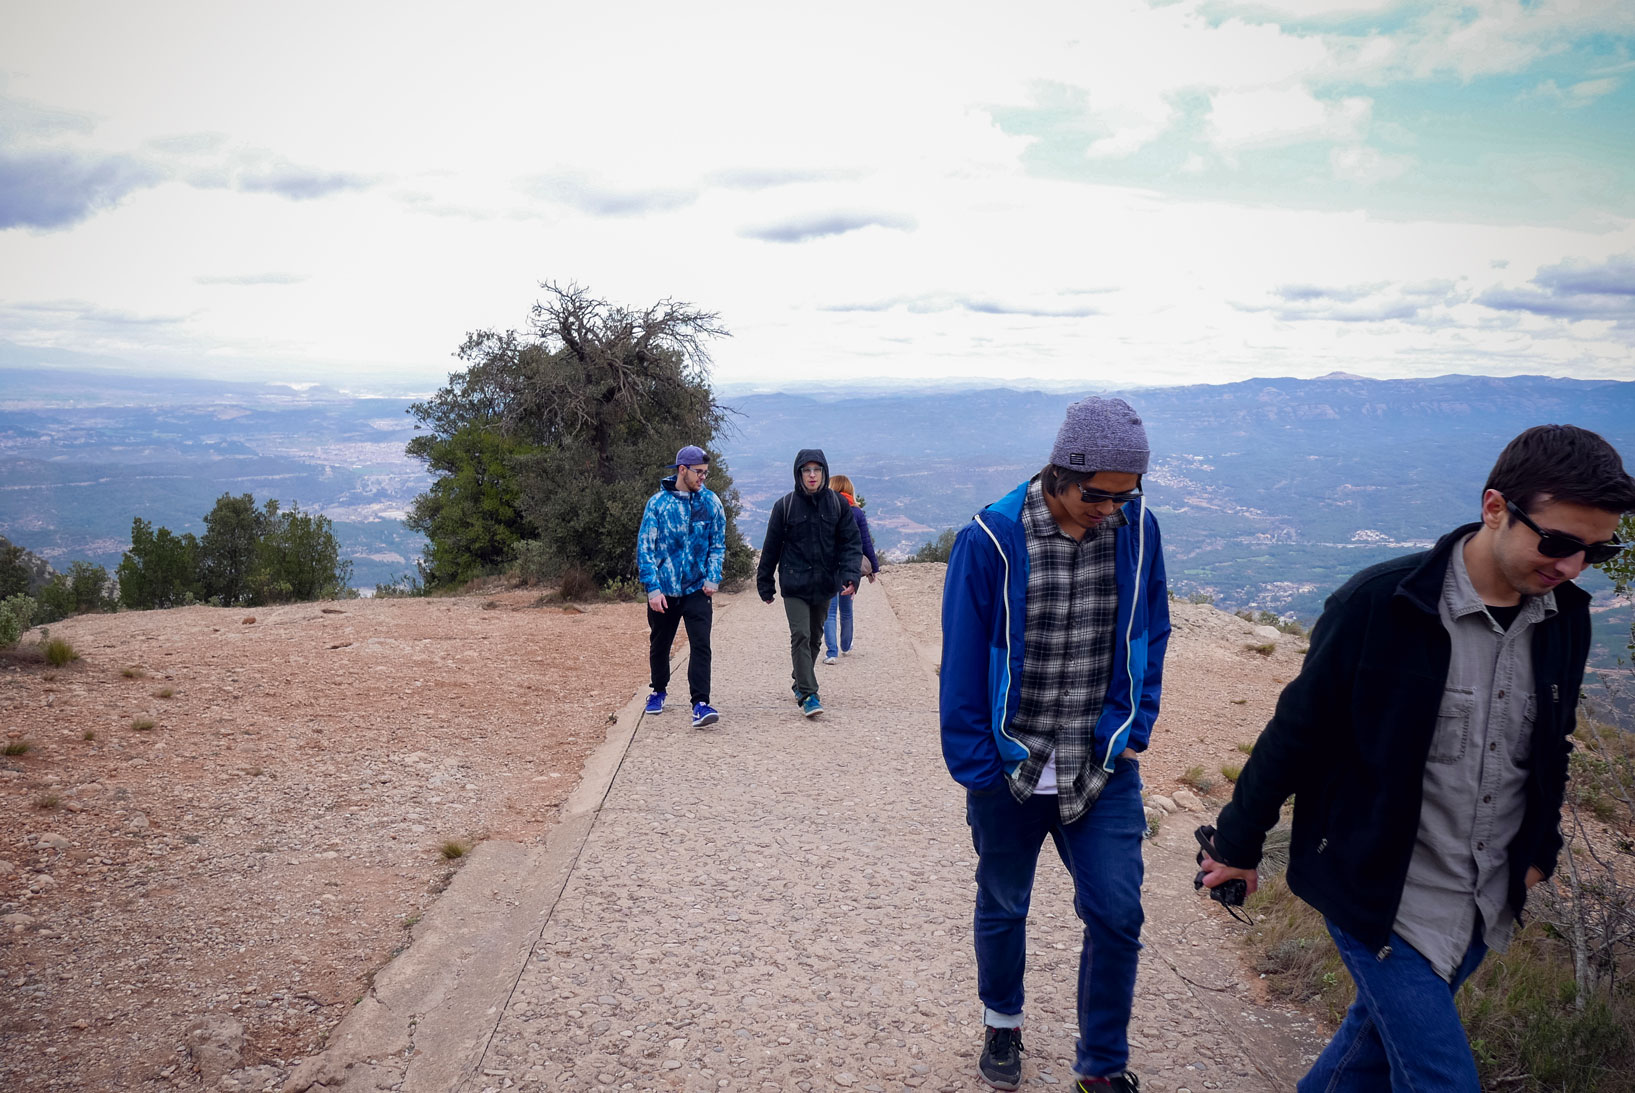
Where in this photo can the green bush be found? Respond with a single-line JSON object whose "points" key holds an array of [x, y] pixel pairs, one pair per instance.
{"points": [[16, 612], [533, 562], [403, 586], [938, 549]]}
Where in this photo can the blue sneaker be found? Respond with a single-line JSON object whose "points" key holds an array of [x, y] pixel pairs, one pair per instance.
{"points": [[810, 706], [704, 714], [655, 703]]}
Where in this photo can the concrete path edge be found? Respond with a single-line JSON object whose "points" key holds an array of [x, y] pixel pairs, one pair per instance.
{"points": [[428, 1016]]}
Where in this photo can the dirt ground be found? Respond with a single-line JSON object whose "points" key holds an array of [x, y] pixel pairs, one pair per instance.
{"points": [[225, 818], [222, 816]]}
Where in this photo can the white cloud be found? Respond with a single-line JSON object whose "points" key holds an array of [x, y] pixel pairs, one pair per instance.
{"points": [[1283, 115], [1575, 95], [1360, 163]]}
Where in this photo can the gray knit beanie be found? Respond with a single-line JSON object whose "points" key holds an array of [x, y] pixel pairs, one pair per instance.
{"points": [[1101, 434]]}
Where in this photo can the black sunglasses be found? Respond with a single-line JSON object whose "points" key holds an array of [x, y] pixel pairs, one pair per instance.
{"points": [[1096, 497], [1553, 544]]}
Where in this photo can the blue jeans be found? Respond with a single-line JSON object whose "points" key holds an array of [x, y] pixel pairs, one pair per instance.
{"points": [[1102, 852], [1402, 1033], [843, 605]]}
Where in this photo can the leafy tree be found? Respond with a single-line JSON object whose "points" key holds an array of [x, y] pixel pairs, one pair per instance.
{"points": [[14, 575], [586, 407], [227, 552], [1622, 568], [83, 589], [160, 569], [469, 516], [251, 555], [297, 559]]}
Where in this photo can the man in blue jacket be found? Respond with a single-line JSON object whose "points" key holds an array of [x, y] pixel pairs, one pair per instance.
{"points": [[1425, 741], [679, 551], [1055, 617]]}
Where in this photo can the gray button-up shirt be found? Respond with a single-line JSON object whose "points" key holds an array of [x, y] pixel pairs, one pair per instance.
{"points": [[1475, 783]]}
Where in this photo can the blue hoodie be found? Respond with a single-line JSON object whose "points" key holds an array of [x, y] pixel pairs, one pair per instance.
{"points": [[682, 541], [984, 626]]}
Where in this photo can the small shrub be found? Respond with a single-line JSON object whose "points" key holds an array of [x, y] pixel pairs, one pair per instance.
{"points": [[1198, 779], [15, 614], [1200, 598], [1247, 748], [1155, 823], [453, 849], [1265, 648], [16, 747], [47, 801], [133, 672], [142, 724], [165, 692], [577, 584], [1240, 702], [88, 735], [58, 652], [1230, 771], [624, 590]]}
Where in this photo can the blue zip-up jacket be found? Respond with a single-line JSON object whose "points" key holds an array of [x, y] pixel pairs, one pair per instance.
{"points": [[984, 627], [682, 541]]}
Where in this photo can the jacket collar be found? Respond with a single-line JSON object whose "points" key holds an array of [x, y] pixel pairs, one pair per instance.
{"points": [[1422, 587]]}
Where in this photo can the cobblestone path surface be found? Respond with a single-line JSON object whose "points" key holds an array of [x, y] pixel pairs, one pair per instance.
{"points": [[778, 903]]}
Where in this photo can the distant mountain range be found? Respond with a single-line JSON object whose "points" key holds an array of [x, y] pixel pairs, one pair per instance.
{"points": [[1270, 492]]}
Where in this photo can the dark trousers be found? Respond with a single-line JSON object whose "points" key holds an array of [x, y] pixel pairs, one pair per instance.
{"points": [[698, 612], [805, 639], [1102, 852]]}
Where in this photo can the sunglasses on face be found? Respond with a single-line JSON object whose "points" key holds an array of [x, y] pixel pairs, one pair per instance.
{"points": [[1553, 544], [1096, 497]]}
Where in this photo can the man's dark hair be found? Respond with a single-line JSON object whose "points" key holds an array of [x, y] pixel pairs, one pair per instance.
{"points": [[1059, 480], [1562, 463]]}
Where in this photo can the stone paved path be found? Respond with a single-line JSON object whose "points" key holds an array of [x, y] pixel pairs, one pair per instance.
{"points": [[783, 904], [780, 904]]}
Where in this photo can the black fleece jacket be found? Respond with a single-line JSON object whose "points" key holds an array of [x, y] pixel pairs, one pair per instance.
{"points": [[1351, 733], [811, 540]]}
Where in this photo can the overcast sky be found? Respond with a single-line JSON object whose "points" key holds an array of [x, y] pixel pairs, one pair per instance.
{"points": [[1087, 192]]}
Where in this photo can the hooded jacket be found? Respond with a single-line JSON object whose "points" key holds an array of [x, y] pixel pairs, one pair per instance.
{"points": [[1352, 732], [811, 540], [984, 629], [682, 542]]}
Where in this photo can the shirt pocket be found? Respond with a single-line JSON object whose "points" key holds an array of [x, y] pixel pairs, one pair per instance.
{"points": [[1453, 718], [1521, 751]]}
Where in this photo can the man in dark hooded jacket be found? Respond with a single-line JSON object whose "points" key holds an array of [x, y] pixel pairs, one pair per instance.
{"points": [[813, 544]]}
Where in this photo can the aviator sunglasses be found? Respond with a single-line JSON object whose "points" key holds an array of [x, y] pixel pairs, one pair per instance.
{"points": [[1553, 544]]}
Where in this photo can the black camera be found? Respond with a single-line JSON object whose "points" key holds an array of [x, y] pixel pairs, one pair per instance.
{"points": [[1228, 894]]}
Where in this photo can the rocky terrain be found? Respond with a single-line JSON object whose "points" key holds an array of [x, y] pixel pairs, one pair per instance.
{"points": [[224, 823]]}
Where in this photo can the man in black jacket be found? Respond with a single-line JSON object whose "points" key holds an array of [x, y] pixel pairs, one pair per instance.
{"points": [[1425, 742], [813, 544]]}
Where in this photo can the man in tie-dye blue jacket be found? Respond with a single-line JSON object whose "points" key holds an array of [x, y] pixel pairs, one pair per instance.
{"points": [[679, 551]]}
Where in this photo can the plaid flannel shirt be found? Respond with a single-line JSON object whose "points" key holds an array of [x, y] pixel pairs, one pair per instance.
{"points": [[1072, 608]]}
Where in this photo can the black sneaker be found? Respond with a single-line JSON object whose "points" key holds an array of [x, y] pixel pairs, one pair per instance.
{"points": [[1118, 1083], [1001, 1065]]}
